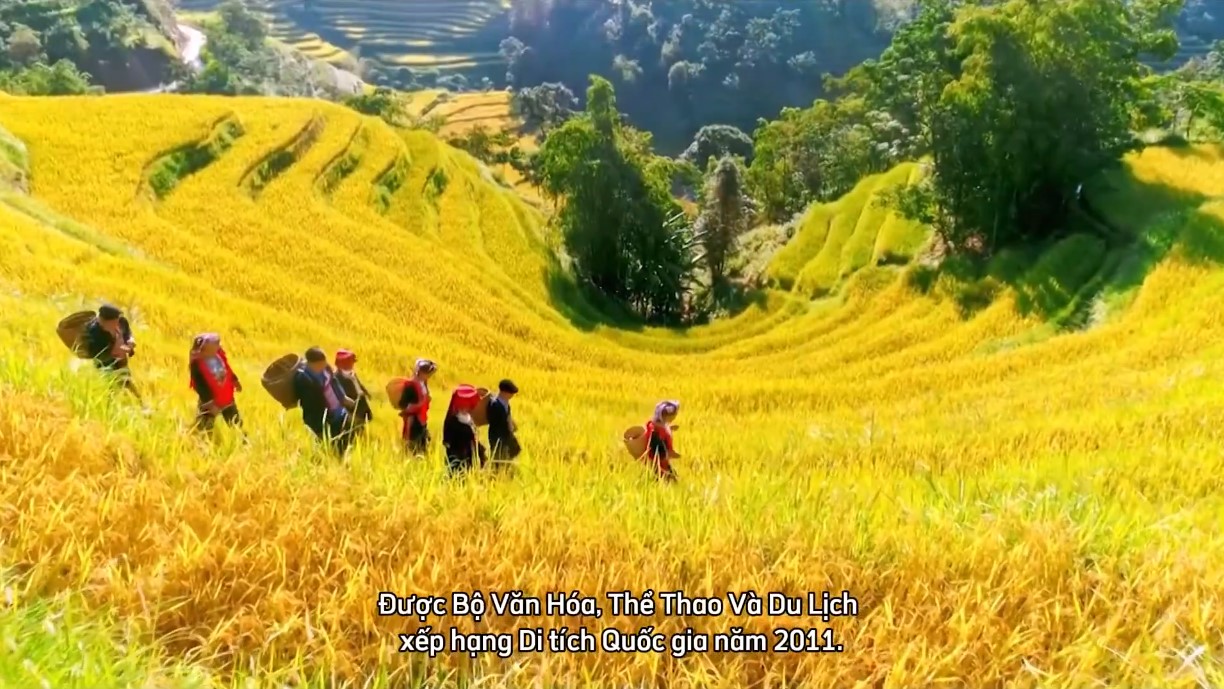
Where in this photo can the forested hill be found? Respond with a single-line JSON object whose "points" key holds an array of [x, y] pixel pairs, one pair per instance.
{"points": [[676, 64], [680, 64], [54, 46]]}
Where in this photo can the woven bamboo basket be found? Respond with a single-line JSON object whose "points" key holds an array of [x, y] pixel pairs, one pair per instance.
{"points": [[480, 415], [278, 380], [636, 441], [395, 390], [70, 330]]}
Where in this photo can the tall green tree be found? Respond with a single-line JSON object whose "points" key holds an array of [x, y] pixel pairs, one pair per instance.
{"points": [[909, 77], [1017, 103], [543, 107], [621, 226], [726, 213]]}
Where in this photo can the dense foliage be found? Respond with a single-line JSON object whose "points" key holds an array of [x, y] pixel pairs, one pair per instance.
{"points": [[716, 141], [818, 153], [682, 64], [726, 213], [1015, 104], [239, 60], [627, 236], [52, 47], [41, 79], [543, 107], [1189, 102]]}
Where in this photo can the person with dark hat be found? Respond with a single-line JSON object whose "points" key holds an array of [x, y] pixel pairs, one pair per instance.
{"points": [[459, 437], [325, 407], [414, 407], [502, 428], [214, 381], [108, 341], [355, 390]]}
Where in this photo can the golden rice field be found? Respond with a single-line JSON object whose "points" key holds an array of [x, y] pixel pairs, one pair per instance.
{"points": [[1010, 506], [461, 113]]}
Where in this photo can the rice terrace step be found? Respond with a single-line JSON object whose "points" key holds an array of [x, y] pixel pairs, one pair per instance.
{"points": [[457, 37]]}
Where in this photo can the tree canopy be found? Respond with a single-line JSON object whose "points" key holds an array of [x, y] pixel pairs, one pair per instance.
{"points": [[627, 236], [682, 64], [52, 47], [239, 60], [1015, 103], [1012, 105]]}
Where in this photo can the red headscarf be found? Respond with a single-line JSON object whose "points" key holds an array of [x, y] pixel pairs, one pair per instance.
{"points": [[345, 360], [464, 399]]}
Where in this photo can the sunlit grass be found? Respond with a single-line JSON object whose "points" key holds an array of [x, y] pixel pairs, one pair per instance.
{"points": [[1010, 506]]}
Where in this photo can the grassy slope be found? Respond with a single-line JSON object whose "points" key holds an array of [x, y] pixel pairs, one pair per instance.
{"points": [[838, 238], [932, 460]]}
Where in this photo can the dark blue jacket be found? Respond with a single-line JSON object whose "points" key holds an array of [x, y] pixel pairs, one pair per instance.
{"points": [[501, 437], [309, 388], [99, 342]]}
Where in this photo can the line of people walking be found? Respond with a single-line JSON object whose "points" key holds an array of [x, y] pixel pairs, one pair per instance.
{"points": [[336, 405]]}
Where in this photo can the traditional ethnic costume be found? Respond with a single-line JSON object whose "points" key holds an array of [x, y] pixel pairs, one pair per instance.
{"points": [[355, 390], [503, 437], [659, 441], [416, 397], [322, 401], [459, 432], [215, 382], [110, 351]]}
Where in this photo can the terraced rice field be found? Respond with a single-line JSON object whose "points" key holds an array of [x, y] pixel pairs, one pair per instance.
{"points": [[1010, 506], [461, 113], [445, 35]]}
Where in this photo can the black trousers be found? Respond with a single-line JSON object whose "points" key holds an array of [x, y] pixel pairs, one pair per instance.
{"points": [[206, 421], [459, 464], [505, 451], [335, 431], [417, 438]]}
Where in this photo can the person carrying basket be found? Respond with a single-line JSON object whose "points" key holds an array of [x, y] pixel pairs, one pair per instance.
{"points": [[354, 389], [107, 340], [414, 408], [463, 447], [325, 407], [660, 449]]}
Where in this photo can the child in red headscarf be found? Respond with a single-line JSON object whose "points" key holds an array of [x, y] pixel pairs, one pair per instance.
{"points": [[459, 432], [214, 382], [660, 449]]}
